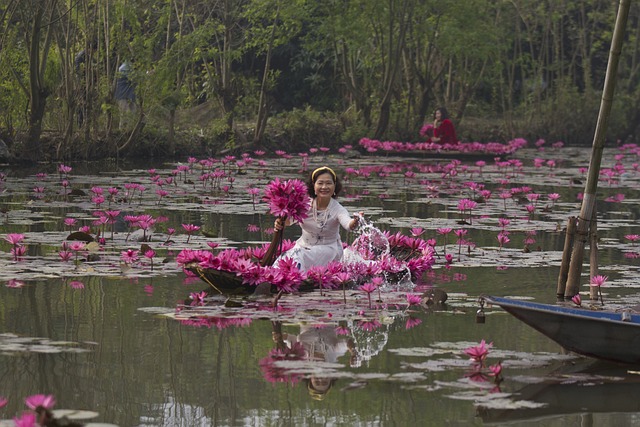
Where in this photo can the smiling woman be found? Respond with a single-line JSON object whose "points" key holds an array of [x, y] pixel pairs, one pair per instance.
{"points": [[320, 241]]}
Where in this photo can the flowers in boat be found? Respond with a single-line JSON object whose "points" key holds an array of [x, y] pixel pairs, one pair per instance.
{"points": [[288, 199], [426, 130], [412, 255], [495, 148]]}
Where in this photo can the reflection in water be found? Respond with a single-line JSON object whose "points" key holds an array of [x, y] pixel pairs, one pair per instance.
{"points": [[317, 345], [370, 338], [313, 354], [144, 369], [584, 389]]}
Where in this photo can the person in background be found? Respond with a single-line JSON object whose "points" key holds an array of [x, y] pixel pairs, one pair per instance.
{"points": [[125, 93], [443, 130], [320, 241]]}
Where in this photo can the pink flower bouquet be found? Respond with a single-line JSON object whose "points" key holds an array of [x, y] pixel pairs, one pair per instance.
{"points": [[288, 199]]}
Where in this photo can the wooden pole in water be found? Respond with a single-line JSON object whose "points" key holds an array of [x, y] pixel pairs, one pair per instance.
{"points": [[589, 199], [566, 257], [593, 255]]}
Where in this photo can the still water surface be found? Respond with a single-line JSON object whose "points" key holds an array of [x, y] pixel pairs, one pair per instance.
{"points": [[111, 348]]}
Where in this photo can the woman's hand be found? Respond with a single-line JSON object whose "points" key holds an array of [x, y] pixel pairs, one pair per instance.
{"points": [[356, 220], [279, 224]]}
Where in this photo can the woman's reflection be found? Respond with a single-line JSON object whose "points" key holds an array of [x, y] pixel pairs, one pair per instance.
{"points": [[313, 343]]}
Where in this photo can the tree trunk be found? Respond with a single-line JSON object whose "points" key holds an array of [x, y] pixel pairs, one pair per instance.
{"points": [[171, 137], [261, 120], [38, 92]]}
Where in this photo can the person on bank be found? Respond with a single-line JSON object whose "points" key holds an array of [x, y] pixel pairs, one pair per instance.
{"points": [[320, 241], [443, 130]]}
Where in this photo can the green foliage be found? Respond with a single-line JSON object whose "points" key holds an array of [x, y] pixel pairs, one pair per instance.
{"points": [[302, 128], [350, 68]]}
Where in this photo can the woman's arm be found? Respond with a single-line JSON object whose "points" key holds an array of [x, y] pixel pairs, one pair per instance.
{"points": [[347, 221]]}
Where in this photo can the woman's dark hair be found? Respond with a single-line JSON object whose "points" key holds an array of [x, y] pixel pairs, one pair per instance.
{"points": [[313, 177], [444, 114]]}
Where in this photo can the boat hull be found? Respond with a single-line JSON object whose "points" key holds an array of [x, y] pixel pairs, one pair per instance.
{"points": [[598, 334], [228, 283]]}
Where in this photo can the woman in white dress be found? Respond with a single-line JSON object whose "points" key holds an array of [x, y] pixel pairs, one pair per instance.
{"points": [[320, 241]]}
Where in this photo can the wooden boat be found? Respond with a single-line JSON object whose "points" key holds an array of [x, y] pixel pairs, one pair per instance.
{"points": [[228, 283], [606, 335], [463, 151]]}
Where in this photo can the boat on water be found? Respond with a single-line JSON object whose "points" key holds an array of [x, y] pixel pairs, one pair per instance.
{"points": [[395, 257], [462, 150], [601, 334], [606, 335]]}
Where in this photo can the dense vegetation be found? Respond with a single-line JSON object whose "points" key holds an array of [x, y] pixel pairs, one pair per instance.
{"points": [[211, 75]]}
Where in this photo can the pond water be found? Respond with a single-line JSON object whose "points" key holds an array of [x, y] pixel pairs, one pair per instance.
{"points": [[117, 338]]}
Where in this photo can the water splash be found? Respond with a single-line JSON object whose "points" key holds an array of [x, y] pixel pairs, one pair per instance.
{"points": [[371, 247]]}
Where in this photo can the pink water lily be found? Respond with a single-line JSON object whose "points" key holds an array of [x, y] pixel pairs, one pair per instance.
{"points": [[368, 288], [14, 238], [40, 400], [416, 231], [198, 297], [495, 370], [554, 197], [63, 169], [479, 353], [129, 256], [577, 300], [503, 238], [598, 280], [414, 299], [190, 229], [70, 222], [288, 199], [27, 419], [632, 237], [77, 246]]}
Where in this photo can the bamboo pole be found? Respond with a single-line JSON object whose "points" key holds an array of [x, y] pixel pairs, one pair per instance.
{"points": [[593, 255], [588, 201], [566, 258]]}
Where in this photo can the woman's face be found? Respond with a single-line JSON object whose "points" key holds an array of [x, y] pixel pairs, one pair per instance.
{"points": [[438, 115], [324, 186]]}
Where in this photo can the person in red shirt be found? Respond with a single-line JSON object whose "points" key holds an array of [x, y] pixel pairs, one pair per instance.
{"points": [[443, 130]]}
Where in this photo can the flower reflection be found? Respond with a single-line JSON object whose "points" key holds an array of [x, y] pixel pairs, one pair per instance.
{"points": [[218, 322], [412, 322]]}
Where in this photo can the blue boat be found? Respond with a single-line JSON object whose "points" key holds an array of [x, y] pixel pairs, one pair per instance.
{"points": [[605, 335]]}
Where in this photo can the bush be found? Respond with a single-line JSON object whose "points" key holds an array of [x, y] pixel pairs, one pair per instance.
{"points": [[297, 130]]}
